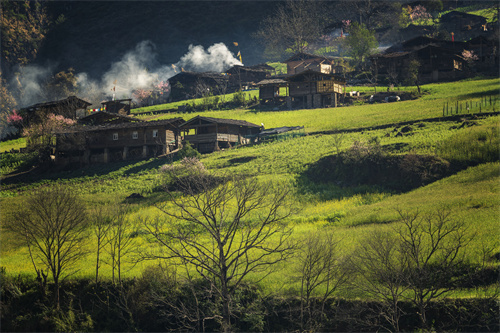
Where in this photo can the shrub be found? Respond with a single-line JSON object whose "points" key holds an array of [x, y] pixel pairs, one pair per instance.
{"points": [[188, 151]]}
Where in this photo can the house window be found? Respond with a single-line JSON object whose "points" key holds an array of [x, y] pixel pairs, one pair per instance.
{"points": [[135, 135], [115, 136], [155, 133]]}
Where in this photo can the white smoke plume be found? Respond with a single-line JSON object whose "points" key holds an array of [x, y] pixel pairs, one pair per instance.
{"points": [[28, 82], [216, 58], [137, 69]]}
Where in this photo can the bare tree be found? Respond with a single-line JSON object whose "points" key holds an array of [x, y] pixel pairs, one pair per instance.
{"points": [[101, 220], [52, 222], [120, 243], [434, 248], [294, 26], [320, 267], [379, 265], [224, 230]]}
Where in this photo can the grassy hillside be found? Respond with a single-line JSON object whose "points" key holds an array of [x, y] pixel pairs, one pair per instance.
{"points": [[470, 189]]}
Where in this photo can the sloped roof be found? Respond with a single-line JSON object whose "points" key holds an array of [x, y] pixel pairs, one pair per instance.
{"points": [[454, 14], [311, 72], [70, 101], [306, 56], [220, 121], [103, 116], [93, 128]]}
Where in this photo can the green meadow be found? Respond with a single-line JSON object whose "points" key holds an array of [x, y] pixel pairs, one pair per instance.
{"points": [[469, 142]]}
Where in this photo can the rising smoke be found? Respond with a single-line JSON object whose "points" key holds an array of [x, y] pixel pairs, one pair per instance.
{"points": [[137, 69]]}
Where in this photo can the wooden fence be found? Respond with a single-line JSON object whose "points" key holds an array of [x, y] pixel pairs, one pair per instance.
{"points": [[484, 104]]}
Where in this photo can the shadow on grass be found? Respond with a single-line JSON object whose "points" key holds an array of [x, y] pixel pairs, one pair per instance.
{"points": [[46, 172], [493, 93]]}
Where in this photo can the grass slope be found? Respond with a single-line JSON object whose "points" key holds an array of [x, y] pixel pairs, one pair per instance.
{"points": [[471, 194]]}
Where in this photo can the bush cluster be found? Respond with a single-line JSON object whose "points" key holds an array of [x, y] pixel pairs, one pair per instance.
{"points": [[160, 301], [368, 164]]}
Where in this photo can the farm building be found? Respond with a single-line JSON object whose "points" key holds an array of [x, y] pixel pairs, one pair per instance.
{"points": [[436, 63], [419, 42], [312, 89], [486, 50], [211, 134], [463, 25], [187, 85], [121, 106], [240, 76], [71, 107], [116, 141], [269, 91], [301, 62], [104, 117]]}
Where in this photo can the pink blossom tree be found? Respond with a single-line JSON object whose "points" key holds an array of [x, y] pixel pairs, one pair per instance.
{"points": [[419, 14], [14, 118], [40, 135]]}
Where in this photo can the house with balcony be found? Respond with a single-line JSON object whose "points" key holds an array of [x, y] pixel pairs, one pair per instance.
{"points": [[207, 134]]}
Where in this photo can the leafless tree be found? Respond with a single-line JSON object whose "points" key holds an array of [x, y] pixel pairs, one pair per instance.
{"points": [[434, 249], [224, 230], [320, 267], [102, 220], [120, 243], [294, 26], [52, 222], [379, 265]]}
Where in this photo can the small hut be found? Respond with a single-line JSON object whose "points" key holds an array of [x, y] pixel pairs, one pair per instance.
{"points": [[121, 106], [269, 91]]}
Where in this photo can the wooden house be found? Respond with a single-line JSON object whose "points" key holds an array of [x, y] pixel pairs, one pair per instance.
{"points": [[187, 85], [457, 22], [301, 62], [436, 64], [104, 117], [71, 107], [312, 89], [270, 91], [116, 141], [211, 134], [240, 76], [121, 106], [486, 49]]}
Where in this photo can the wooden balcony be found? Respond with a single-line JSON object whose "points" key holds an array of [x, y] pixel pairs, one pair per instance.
{"points": [[211, 137]]}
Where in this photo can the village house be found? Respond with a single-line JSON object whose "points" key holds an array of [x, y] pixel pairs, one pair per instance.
{"points": [[436, 64], [439, 60], [187, 85], [270, 91], [121, 106], [246, 76], [207, 134], [312, 89], [301, 62], [104, 117], [114, 141], [71, 107], [463, 25]]}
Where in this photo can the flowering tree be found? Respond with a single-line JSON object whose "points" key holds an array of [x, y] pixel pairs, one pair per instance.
{"points": [[14, 118], [419, 14], [39, 136], [471, 59], [140, 95]]}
